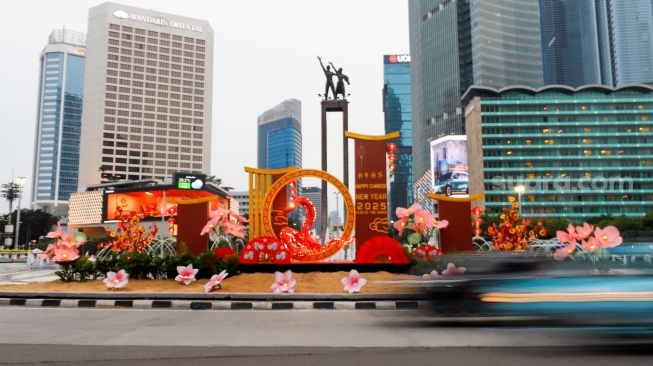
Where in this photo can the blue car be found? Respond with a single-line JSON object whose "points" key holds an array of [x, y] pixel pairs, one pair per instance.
{"points": [[528, 286]]}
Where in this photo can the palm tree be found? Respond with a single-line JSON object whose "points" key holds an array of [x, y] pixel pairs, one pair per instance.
{"points": [[11, 192], [214, 180]]}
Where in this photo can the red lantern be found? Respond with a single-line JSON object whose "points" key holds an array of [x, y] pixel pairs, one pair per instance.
{"points": [[392, 157], [392, 147], [392, 166], [477, 231], [477, 211], [478, 222], [171, 229], [172, 210], [171, 221]]}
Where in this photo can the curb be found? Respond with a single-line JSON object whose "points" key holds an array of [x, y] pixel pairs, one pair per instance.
{"points": [[211, 305]]}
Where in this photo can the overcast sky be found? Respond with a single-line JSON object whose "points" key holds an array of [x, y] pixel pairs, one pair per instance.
{"points": [[265, 52]]}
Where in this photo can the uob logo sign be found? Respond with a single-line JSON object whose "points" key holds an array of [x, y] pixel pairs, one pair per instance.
{"points": [[398, 58]]}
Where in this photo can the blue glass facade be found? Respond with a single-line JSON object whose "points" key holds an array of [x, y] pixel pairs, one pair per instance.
{"points": [[457, 43], [398, 117], [58, 129], [597, 42], [579, 152], [280, 136]]}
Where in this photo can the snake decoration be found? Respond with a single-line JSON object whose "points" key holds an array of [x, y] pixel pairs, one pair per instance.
{"points": [[302, 246]]}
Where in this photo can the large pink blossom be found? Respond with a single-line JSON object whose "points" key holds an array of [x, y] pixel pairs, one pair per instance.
{"points": [[63, 254], [568, 236], [564, 252], [186, 274], [583, 232], [591, 244], [116, 279], [452, 270], [422, 219], [56, 233], [403, 214], [353, 282], [283, 282], [215, 281], [608, 237]]}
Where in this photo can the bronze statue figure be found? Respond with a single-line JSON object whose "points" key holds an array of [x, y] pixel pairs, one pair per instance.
{"points": [[329, 82], [340, 87]]}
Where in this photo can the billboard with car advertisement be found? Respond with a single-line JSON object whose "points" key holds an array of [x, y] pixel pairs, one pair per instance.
{"points": [[449, 165]]}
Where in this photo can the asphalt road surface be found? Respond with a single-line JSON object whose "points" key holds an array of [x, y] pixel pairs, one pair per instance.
{"points": [[296, 337]]}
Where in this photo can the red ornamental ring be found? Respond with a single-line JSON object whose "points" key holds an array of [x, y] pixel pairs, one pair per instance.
{"points": [[283, 181]]}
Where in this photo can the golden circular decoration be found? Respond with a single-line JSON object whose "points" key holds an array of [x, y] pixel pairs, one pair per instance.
{"points": [[315, 173]]}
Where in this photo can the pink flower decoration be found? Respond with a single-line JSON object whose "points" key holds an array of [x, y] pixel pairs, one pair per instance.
{"points": [[353, 282], [440, 224], [431, 276], [55, 234], [590, 245], [452, 270], [215, 281], [564, 252], [186, 274], [583, 232], [116, 280], [63, 254], [402, 214], [284, 282], [566, 237], [608, 237], [422, 220]]}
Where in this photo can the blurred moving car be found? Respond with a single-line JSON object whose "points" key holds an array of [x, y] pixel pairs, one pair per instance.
{"points": [[527, 285], [452, 182]]}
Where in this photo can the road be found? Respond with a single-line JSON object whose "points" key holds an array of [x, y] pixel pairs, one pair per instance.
{"points": [[296, 337]]}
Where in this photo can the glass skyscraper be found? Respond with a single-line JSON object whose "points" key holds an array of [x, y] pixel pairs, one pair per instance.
{"points": [[608, 42], [58, 121], [398, 117], [457, 43], [280, 136]]}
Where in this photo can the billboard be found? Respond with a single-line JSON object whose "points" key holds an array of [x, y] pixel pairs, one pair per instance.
{"points": [[449, 165]]}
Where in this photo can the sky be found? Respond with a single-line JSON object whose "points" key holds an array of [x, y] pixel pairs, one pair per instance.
{"points": [[265, 52]]}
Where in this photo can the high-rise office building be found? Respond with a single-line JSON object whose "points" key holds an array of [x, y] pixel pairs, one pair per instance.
{"points": [[58, 121], [147, 95], [280, 136], [457, 43], [315, 195], [397, 116], [597, 42]]}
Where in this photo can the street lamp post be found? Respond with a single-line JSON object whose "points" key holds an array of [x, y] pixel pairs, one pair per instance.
{"points": [[20, 181], [337, 209], [519, 189]]}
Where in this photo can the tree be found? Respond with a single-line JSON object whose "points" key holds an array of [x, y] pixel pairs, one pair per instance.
{"points": [[11, 192], [35, 224]]}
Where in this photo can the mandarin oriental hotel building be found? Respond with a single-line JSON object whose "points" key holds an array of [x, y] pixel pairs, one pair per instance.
{"points": [[578, 152], [147, 95]]}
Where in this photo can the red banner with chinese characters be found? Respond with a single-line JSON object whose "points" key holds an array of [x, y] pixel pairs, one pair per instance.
{"points": [[371, 190]]}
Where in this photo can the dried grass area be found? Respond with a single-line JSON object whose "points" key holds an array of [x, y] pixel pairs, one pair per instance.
{"points": [[313, 282]]}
